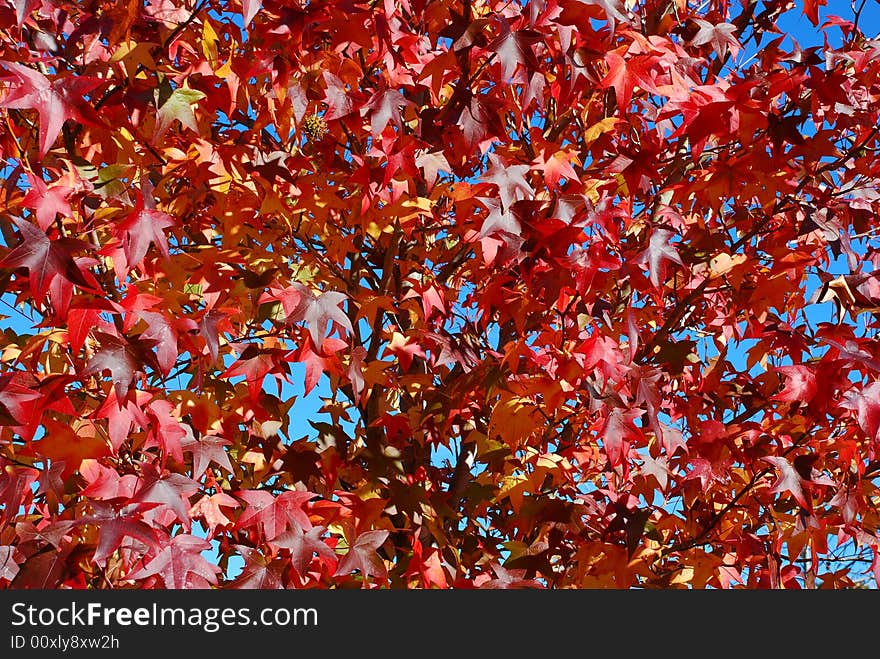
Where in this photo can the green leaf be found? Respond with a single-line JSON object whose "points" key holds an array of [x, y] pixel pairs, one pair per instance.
{"points": [[179, 107]]}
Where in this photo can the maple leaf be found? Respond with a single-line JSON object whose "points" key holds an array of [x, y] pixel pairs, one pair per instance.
{"points": [[404, 349], [105, 483], [46, 201], [558, 167], [657, 253], [431, 165], [384, 107], [317, 363], [866, 404], [515, 49], [69, 445], [180, 564], [206, 450], [210, 326], [499, 220], [362, 556], [80, 321], [250, 8], [141, 228], [165, 429], [303, 545], [787, 480], [800, 384], [123, 414], [17, 400], [614, 11], [254, 364], [56, 101], [45, 259], [208, 508], [811, 9], [719, 36], [274, 514], [356, 372], [339, 101], [10, 557], [161, 333], [510, 180], [318, 311], [114, 524], [290, 297], [508, 579], [44, 569], [170, 492], [259, 573], [617, 432], [178, 107], [658, 468], [116, 356]]}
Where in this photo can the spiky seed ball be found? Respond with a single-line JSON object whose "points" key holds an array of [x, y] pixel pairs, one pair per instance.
{"points": [[314, 127]]}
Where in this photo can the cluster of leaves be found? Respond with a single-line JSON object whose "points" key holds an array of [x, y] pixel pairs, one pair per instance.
{"points": [[549, 266]]}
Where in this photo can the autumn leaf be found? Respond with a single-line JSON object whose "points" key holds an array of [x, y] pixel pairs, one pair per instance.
{"points": [[209, 509], [117, 357], [140, 229], [10, 558], [114, 524], [47, 202], [45, 259], [656, 255], [206, 450], [170, 492], [362, 556], [543, 288], [319, 310], [720, 37], [800, 384], [515, 48], [303, 545], [56, 101], [274, 514], [178, 107], [787, 480], [180, 564]]}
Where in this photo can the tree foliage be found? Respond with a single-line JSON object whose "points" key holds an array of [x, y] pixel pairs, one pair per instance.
{"points": [[559, 272]]}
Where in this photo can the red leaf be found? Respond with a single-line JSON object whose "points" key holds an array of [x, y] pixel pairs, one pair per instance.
{"points": [[141, 228], [800, 384], [515, 49], [811, 9], [303, 545], [508, 579], [258, 574], [208, 508], [274, 514], [787, 480], [47, 202], [181, 565], [56, 101], [719, 36], [171, 492], [250, 8], [10, 558], [44, 259], [362, 556], [657, 253], [116, 356], [114, 524], [206, 450]]}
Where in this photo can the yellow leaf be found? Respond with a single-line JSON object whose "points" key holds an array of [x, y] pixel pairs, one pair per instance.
{"points": [[596, 130]]}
